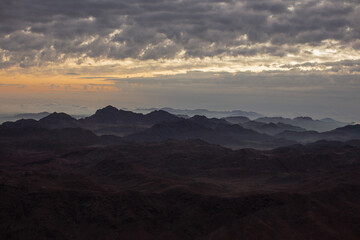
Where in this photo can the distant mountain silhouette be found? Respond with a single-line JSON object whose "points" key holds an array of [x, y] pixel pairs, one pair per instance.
{"points": [[20, 123], [35, 116], [177, 130], [110, 120], [271, 128], [52, 121], [301, 137], [350, 130], [30, 134], [237, 120], [159, 116], [106, 121], [305, 122], [58, 121], [205, 112], [112, 115], [210, 130], [15, 117], [346, 133], [159, 125], [208, 122]]}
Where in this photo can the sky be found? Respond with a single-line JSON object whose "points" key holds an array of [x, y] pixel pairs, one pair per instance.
{"points": [[288, 57]]}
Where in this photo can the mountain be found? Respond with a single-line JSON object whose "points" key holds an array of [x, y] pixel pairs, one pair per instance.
{"points": [[305, 122], [346, 133], [159, 116], [208, 122], [20, 123], [237, 120], [51, 121], [59, 180], [41, 138], [106, 121], [263, 127], [35, 116], [179, 190], [58, 121], [330, 120], [205, 112], [160, 125], [30, 134], [302, 137], [15, 117], [353, 131], [271, 128], [210, 130], [110, 120], [113, 115], [163, 131]]}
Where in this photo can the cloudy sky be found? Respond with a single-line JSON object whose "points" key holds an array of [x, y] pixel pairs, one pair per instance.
{"points": [[275, 57]]}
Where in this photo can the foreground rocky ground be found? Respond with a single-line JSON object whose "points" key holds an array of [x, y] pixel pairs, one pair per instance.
{"points": [[93, 189]]}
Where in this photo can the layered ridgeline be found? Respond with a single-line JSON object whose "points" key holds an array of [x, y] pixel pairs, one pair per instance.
{"points": [[325, 124], [159, 125], [203, 112], [64, 178]]}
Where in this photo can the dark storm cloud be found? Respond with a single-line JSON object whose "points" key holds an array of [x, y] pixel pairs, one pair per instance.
{"points": [[35, 32]]}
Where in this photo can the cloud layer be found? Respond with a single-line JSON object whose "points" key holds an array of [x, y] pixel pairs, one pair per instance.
{"points": [[261, 55], [41, 32]]}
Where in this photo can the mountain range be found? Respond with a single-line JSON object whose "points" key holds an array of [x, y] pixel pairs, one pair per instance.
{"points": [[168, 177], [234, 132], [203, 112], [308, 123]]}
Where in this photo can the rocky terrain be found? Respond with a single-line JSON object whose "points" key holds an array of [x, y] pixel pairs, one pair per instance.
{"points": [[59, 180]]}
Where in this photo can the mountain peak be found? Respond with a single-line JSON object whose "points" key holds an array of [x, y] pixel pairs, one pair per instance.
{"points": [[349, 128], [304, 118], [110, 114], [158, 116], [199, 117], [21, 123], [208, 122], [58, 120], [108, 109], [57, 116], [158, 112]]}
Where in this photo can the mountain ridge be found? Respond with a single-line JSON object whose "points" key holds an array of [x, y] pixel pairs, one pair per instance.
{"points": [[159, 125]]}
